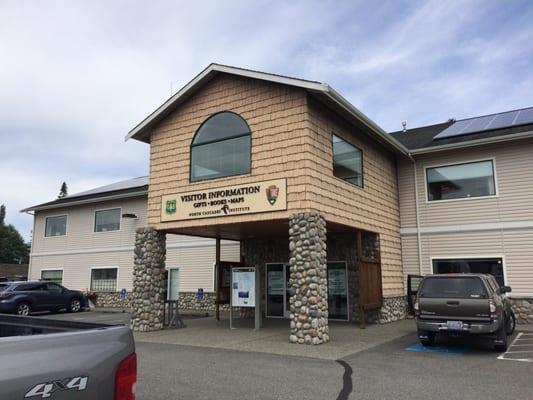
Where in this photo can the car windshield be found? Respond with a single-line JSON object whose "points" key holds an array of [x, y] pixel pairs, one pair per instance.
{"points": [[4, 286], [456, 287]]}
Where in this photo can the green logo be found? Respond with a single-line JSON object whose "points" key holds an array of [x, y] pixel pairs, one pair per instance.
{"points": [[171, 206]]}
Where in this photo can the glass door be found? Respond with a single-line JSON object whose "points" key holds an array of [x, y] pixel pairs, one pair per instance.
{"points": [[337, 291], [173, 284], [277, 282]]}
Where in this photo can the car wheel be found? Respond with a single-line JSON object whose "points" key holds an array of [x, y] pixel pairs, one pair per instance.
{"points": [[74, 305], [23, 308], [500, 343], [426, 338], [511, 324]]}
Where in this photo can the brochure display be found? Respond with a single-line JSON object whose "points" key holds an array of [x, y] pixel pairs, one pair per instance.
{"points": [[243, 287]]}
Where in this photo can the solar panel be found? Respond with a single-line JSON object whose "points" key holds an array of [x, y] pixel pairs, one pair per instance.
{"points": [[488, 122]]}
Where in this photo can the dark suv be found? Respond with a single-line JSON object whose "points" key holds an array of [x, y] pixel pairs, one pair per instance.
{"points": [[455, 304], [25, 297]]}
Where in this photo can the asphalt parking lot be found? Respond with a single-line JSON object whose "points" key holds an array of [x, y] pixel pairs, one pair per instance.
{"points": [[398, 369]]}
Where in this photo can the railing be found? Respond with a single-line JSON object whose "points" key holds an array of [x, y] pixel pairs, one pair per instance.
{"points": [[172, 317]]}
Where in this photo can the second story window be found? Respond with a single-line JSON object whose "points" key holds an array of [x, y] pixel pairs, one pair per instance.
{"points": [[347, 161], [55, 226], [461, 181], [107, 220], [221, 147]]}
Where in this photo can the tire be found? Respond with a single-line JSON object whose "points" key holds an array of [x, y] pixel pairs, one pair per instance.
{"points": [[430, 341], [501, 343], [511, 324], [74, 305], [23, 308]]}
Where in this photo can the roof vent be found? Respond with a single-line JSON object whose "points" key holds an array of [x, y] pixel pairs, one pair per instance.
{"points": [[404, 124]]}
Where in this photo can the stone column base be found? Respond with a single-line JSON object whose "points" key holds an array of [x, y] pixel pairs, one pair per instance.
{"points": [[148, 280], [308, 279]]}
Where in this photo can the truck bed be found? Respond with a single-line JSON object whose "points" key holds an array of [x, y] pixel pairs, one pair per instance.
{"points": [[60, 360]]}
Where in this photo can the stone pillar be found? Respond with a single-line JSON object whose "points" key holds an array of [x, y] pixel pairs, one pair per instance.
{"points": [[148, 280], [308, 279]]}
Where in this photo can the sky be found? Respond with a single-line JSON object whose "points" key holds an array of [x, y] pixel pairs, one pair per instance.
{"points": [[76, 76]]}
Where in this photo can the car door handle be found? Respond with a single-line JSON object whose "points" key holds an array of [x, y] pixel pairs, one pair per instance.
{"points": [[452, 303]]}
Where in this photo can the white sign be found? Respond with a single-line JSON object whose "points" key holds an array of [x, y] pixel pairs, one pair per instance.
{"points": [[243, 287]]}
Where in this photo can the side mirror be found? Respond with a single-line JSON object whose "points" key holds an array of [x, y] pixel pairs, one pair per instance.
{"points": [[505, 289]]}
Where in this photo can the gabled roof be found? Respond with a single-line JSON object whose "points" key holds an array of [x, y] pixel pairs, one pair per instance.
{"points": [[321, 90], [128, 188]]}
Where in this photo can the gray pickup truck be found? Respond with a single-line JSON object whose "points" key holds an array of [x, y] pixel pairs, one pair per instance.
{"points": [[463, 304], [60, 360]]}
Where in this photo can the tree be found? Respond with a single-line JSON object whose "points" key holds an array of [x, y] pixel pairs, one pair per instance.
{"points": [[2, 214], [13, 249], [63, 192]]}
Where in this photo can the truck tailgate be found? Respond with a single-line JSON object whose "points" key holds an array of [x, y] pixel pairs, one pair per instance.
{"points": [[455, 309], [67, 365]]}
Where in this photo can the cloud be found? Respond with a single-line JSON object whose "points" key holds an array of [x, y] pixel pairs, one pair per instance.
{"points": [[75, 77]]}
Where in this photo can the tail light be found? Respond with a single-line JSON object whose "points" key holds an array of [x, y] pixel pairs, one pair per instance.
{"points": [[416, 307], [493, 310], [126, 378]]}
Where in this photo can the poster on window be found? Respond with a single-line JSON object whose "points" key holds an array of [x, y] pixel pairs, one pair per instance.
{"points": [[336, 282], [243, 287]]}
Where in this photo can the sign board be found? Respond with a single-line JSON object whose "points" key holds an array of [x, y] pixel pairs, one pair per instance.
{"points": [[225, 201], [200, 294], [123, 293], [243, 287]]}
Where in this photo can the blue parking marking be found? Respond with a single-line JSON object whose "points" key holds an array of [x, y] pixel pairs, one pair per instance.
{"points": [[447, 350]]}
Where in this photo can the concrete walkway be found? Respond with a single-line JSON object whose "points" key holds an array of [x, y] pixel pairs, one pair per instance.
{"points": [[346, 338]]}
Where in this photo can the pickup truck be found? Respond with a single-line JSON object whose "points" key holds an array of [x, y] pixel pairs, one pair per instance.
{"points": [[60, 360], [464, 304]]}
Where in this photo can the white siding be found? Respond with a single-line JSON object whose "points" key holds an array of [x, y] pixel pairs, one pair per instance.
{"points": [[512, 205], [82, 248]]}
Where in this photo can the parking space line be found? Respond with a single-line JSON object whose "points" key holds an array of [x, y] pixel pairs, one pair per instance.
{"points": [[519, 352]]}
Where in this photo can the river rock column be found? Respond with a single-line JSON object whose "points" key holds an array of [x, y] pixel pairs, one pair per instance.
{"points": [[308, 279], [148, 280]]}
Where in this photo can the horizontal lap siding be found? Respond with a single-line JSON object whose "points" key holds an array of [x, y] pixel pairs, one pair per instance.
{"points": [[277, 118], [516, 246], [374, 207], [514, 171]]}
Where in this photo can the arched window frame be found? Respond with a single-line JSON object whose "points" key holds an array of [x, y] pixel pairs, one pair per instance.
{"points": [[192, 145]]}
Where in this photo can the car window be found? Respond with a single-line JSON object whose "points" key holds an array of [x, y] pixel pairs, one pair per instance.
{"points": [[493, 284], [52, 287], [3, 287], [456, 287], [26, 287]]}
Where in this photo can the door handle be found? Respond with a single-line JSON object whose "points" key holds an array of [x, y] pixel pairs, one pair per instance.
{"points": [[452, 303]]}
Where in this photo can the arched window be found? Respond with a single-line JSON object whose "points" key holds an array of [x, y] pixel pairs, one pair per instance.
{"points": [[221, 147]]}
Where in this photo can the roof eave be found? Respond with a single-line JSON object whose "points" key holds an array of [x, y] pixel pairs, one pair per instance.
{"points": [[470, 143], [74, 202]]}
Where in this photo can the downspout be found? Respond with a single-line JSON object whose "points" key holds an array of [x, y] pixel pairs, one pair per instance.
{"points": [[31, 246], [417, 212]]}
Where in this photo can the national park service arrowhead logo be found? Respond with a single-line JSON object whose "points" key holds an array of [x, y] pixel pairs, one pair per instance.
{"points": [[171, 207], [272, 193]]}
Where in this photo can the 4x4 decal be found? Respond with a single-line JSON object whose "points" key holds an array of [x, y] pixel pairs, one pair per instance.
{"points": [[45, 390]]}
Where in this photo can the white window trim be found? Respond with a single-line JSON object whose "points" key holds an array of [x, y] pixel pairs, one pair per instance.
{"points": [[168, 280], [52, 269], [470, 161], [107, 209], [104, 267], [54, 216], [472, 256]]}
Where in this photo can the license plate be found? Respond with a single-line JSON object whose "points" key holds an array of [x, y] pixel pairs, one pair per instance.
{"points": [[454, 325]]}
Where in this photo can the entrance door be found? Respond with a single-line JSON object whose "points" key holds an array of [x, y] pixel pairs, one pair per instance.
{"points": [[277, 284], [173, 284], [337, 290]]}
